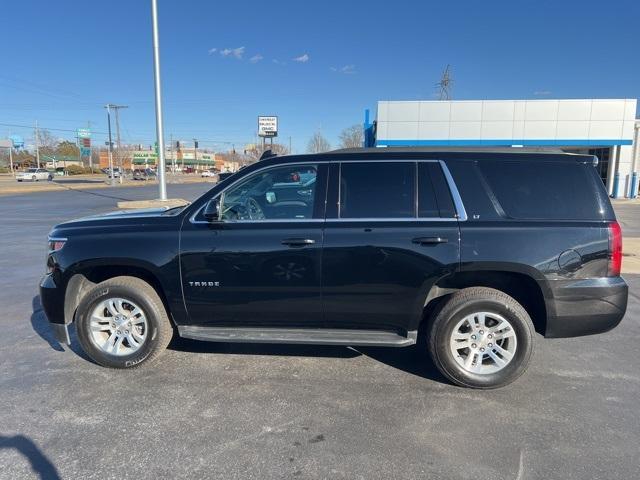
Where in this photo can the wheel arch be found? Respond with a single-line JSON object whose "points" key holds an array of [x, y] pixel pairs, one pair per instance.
{"points": [[523, 287], [83, 277]]}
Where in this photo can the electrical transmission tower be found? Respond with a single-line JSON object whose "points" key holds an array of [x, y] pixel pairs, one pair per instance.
{"points": [[445, 84]]}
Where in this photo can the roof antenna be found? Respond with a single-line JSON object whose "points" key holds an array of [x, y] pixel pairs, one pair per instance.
{"points": [[445, 84]]}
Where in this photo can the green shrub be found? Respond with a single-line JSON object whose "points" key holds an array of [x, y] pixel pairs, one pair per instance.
{"points": [[75, 170]]}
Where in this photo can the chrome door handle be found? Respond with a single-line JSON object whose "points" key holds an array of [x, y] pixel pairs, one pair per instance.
{"points": [[298, 242], [429, 240]]}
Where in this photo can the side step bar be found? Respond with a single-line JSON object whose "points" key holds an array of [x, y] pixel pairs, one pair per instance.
{"points": [[364, 338]]}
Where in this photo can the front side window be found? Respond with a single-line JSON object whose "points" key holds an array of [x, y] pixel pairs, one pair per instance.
{"points": [[278, 193], [377, 190]]}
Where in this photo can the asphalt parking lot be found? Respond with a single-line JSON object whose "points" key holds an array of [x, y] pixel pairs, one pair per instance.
{"points": [[258, 411]]}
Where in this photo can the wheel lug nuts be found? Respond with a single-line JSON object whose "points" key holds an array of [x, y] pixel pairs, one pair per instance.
{"points": [[473, 345], [490, 345], [482, 349], [490, 336], [473, 337], [481, 332]]}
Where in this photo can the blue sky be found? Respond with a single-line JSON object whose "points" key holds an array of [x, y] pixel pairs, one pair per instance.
{"points": [[317, 65]]}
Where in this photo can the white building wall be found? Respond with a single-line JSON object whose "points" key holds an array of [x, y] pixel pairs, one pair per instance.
{"points": [[546, 123]]}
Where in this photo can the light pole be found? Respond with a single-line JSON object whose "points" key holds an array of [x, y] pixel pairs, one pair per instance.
{"points": [[159, 128], [108, 107]]}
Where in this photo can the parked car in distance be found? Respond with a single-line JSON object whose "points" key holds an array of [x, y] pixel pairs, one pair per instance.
{"points": [[116, 172], [34, 175], [145, 174], [475, 250], [209, 173]]}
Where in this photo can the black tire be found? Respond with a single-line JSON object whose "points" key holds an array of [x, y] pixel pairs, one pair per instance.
{"points": [[142, 294], [34, 178], [468, 301], [50, 178]]}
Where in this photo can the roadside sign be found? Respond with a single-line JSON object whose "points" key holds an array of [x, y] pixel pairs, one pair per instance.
{"points": [[85, 152], [268, 126], [6, 144], [84, 133]]}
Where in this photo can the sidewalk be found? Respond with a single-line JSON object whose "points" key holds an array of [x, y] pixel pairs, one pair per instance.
{"points": [[630, 255]]}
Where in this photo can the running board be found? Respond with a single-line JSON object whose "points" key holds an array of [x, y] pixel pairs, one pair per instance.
{"points": [[363, 338]]}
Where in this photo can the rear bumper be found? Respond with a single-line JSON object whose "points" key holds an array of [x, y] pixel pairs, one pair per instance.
{"points": [[52, 300], [585, 307]]}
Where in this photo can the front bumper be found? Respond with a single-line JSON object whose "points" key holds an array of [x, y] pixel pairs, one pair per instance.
{"points": [[52, 300], [585, 307]]}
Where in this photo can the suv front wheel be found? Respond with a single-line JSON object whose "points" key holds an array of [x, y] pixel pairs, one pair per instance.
{"points": [[481, 338], [122, 323]]}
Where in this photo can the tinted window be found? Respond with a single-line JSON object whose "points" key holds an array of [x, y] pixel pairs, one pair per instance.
{"points": [[434, 197], [541, 189], [377, 190], [279, 193]]}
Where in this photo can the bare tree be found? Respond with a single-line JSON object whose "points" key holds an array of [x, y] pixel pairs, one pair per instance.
{"points": [[318, 144], [256, 152], [352, 137]]}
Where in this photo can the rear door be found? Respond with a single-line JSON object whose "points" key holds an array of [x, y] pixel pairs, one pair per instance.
{"points": [[391, 232]]}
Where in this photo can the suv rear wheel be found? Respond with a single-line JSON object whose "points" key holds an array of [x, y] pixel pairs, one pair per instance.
{"points": [[481, 338], [122, 323]]}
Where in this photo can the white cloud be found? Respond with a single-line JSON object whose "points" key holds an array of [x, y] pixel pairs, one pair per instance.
{"points": [[256, 58], [302, 58], [278, 62], [212, 51], [347, 69], [233, 52]]}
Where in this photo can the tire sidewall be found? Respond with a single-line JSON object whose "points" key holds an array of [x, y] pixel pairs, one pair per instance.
{"points": [[508, 374], [83, 316]]}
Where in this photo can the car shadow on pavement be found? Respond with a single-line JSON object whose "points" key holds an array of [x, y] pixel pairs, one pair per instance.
{"points": [[287, 350], [40, 464], [413, 360], [40, 325]]}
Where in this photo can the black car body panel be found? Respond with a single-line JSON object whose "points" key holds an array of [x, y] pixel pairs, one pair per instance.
{"points": [[353, 273]]}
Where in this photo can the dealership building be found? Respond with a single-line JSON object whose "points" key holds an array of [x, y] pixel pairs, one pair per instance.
{"points": [[606, 128]]}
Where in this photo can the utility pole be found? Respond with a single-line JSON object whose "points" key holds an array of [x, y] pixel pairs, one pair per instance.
{"points": [[108, 107], [37, 140], [195, 154], [173, 160], [117, 108], [158, 90], [90, 155]]}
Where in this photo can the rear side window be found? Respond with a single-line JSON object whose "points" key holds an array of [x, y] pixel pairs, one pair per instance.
{"points": [[543, 190], [377, 190], [434, 196]]}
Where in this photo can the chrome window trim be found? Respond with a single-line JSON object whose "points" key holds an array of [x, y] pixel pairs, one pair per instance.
{"points": [[457, 199], [461, 213]]}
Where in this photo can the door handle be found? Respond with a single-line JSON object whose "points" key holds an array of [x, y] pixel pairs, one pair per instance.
{"points": [[429, 240], [298, 242]]}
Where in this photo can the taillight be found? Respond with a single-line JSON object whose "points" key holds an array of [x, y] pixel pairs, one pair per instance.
{"points": [[615, 250]]}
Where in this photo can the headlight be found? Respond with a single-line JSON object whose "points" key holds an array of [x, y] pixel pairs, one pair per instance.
{"points": [[56, 244]]}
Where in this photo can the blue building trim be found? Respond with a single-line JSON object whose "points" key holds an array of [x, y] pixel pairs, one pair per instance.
{"points": [[502, 143], [369, 134]]}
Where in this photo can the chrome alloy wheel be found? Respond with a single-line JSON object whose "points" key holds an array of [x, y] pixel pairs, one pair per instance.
{"points": [[118, 326], [483, 343]]}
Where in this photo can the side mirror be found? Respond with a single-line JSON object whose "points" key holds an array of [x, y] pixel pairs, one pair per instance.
{"points": [[212, 210]]}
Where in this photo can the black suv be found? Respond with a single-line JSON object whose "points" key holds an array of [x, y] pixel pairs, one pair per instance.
{"points": [[365, 247]]}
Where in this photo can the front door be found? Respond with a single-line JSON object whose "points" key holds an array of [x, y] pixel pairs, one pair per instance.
{"points": [[391, 232], [259, 264]]}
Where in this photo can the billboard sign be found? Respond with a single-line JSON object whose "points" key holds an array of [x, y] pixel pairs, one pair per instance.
{"points": [[84, 133], [268, 126]]}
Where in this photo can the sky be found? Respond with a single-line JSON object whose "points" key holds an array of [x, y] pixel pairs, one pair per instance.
{"points": [[316, 65]]}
